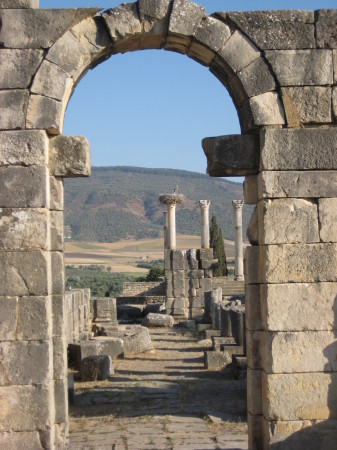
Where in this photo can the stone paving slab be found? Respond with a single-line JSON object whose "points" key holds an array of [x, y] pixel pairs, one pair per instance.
{"points": [[163, 399]]}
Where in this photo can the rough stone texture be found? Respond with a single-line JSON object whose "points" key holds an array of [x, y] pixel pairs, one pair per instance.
{"points": [[14, 441], [24, 362], [253, 228], [231, 155], [328, 219], [154, 17], [185, 17], [13, 4], [137, 341], [334, 102], [334, 53], [216, 360], [266, 109], [302, 149], [300, 263], [212, 33], [51, 81], [23, 229], [287, 221], [158, 320], [304, 306], [302, 396], [252, 270], [326, 34], [310, 184], [56, 193], [250, 190], [24, 408], [18, 67], [23, 148], [255, 346], [22, 187], [56, 230], [23, 273], [104, 345], [13, 106], [313, 104], [287, 352], [38, 28], [69, 156], [97, 367], [276, 29], [239, 51], [253, 307], [254, 391], [123, 22], [256, 78], [57, 272], [45, 113], [301, 67]]}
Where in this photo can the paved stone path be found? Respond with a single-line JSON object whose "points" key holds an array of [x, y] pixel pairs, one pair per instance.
{"points": [[161, 400]]}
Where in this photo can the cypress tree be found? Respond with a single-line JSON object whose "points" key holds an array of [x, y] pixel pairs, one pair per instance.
{"points": [[216, 242]]}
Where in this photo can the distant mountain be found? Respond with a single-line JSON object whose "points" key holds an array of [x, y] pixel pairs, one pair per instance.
{"points": [[118, 203]]}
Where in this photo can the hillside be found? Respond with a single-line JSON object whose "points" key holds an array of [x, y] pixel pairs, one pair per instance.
{"points": [[122, 202]]}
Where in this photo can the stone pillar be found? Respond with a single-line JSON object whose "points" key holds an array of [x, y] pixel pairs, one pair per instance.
{"points": [[237, 205], [171, 229], [204, 210], [165, 220]]}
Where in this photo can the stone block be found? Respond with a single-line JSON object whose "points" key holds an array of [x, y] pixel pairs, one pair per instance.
{"points": [[167, 261], [212, 33], [13, 108], [312, 104], [60, 363], [58, 307], [302, 67], [69, 156], [276, 29], [239, 51], [208, 333], [299, 263], [303, 149], [231, 155], [328, 219], [9, 309], [137, 340], [255, 435], [253, 228], [24, 148], [23, 273], [288, 221], [177, 302], [334, 54], [38, 28], [334, 102], [52, 81], [23, 229], [266, 109], [68, 54], [192, 260], [254, 391], [287, 352], [237, 315], [57, 273], [294, 434], [253, 308], [197, 302], [178, 259], [306, 184], [101, 345], [301, 396], [34, 318], [18, 67], [122, 22], [185, 17], [56, 193], [304, 306], [216, 360], [196, 312], [61, 400], [56, 230], [196, 275], [19, 4], [97, 367], [250, 190], [217, 342], [326, 36], [154, 17], [256, 78], [18, 441], [24, 408], [252, 265], [25, 362], [158, 320], [45, 113], [200, 53]]}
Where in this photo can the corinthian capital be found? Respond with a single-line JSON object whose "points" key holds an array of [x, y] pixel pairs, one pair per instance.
{"points": [[204, 204], [237, 204]]}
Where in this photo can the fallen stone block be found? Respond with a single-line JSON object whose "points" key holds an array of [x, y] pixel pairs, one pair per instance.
{"points": [[189, 324], [137, 340], [97, 367], [216, 360], [153, 308], [129, 312], [100, 345], [158, 320]]}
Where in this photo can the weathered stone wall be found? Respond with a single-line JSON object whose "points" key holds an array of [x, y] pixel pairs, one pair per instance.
{"points": [[78, 315], [228, 285], [143, 289], [280, 69]]}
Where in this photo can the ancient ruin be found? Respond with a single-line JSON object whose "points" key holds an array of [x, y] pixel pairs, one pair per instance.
{"points": [[280, 68]]}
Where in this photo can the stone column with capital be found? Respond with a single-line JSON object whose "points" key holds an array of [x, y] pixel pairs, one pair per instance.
{"points": [[204, 210], [165, 221], [171, 200], [237, 206]]}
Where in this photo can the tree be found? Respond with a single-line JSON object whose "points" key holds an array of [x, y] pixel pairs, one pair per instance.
{"points": [[217, 244], [154, 274]]}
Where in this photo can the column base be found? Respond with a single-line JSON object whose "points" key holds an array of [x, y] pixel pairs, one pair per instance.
{"points": [[239, 278]]}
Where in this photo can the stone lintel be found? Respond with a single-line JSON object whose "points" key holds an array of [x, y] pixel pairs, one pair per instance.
{"points": [[231, 155]]}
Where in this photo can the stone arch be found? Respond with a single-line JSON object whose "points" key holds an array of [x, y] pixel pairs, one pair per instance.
{"points": [[182, 27]]}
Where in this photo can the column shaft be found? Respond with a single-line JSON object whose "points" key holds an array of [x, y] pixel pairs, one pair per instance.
{"points": [[237, 205]]}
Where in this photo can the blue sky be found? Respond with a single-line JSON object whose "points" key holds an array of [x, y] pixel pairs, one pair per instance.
{"points": [[152, 108]]}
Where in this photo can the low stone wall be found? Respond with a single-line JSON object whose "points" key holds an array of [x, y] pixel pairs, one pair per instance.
{"points": [[228, 285], [78, 314], [143, 289], [137, 300]]}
